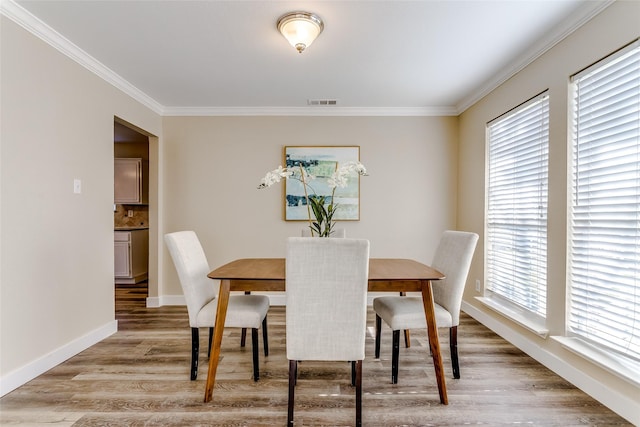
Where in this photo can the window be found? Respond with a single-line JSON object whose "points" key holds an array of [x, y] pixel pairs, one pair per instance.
{"points": [[604, 269], [518, 144]]}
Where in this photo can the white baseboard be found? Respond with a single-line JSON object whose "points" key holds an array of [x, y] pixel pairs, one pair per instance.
{"points": [[614, 400], [154, 302], [26, 373]]}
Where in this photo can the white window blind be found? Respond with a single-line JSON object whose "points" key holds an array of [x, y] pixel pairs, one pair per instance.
{"points": [[517, 205], [604, 271]]}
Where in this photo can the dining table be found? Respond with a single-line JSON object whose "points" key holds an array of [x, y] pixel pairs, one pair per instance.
{"points": [[268, 275]]}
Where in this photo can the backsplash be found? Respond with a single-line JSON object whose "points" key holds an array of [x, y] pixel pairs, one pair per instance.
{"points": [[140, 216]]}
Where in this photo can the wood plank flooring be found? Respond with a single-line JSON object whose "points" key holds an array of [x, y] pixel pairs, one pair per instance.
{"points": [[140, 377]]}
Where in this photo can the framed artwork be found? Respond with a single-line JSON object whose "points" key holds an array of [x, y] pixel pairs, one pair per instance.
{"points": [[321, 162]]}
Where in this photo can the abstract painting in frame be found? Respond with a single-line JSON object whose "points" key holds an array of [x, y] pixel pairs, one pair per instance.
{"points": [[321, 162]]}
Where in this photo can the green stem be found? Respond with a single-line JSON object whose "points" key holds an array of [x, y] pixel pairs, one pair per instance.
{"points": [[306, 197], [333, 194]]}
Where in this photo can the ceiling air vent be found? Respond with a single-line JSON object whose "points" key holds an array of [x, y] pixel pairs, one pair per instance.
{"points": [[322, 101]]}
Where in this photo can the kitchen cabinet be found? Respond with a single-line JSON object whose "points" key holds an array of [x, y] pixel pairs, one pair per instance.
{"points": [[131, 256], [129, 181]]}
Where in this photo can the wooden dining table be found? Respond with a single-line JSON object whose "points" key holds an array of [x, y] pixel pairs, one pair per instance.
{"points": [[268, 275]]}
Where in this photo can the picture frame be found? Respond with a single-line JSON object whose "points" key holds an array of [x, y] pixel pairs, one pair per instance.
{"points": [[321, 162]]}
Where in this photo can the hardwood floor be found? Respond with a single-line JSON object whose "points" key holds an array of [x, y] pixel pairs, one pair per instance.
{"points": [[140, 376]]}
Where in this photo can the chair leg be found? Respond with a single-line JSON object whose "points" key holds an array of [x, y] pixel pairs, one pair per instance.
{"points": [[453, 346], [293, 373], [254, 350], [195, 348], [210, 341], [265, 340], [407, 335], [243, 334], [356, 381], [378, 328], [353, 373], [395, 355], [358, 369]]}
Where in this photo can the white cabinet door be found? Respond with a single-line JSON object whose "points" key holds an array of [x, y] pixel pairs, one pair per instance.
{"points": [[127, 181], [122, 258], [131, 256]]}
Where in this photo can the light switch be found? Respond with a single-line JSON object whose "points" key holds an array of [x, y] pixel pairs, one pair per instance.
{"points": [[77, 186]]}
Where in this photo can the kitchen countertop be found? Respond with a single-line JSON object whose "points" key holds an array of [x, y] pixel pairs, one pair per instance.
{"points": [[130, 228]]}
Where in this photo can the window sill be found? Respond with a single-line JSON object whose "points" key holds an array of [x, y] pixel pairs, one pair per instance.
{"points": [[518, 316], [618, 365]]}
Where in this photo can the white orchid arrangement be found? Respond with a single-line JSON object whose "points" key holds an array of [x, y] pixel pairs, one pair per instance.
{"points": [[323, 224]]}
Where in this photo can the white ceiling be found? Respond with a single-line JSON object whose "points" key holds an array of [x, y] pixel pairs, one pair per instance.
{"points": [[374, 57]]}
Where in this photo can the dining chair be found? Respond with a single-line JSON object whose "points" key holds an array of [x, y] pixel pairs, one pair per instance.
{"points": [[338, 232], [452, 258], [326, 311], [200, 293]]}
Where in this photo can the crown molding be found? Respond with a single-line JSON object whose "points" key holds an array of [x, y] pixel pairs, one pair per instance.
{"points": [[309, 111], [35, 26], [553, 38]]}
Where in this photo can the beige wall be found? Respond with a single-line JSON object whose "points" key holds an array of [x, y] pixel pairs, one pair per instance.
{"points": [[213, 165], [56, 254], [618, 25]]}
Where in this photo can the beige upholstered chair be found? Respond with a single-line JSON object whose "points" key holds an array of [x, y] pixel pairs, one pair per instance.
{"points": [[326, 296], [338, 232], [200, 293], [453, 259]]}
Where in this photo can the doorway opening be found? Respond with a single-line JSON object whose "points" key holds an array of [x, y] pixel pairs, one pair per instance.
{"points": [[131, 214]]}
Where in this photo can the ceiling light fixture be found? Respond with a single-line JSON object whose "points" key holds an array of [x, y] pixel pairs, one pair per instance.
{"points": [[300, 28]]}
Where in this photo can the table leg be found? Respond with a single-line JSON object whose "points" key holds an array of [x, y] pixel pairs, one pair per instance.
{"points": [[221, 314], [434, 343]]}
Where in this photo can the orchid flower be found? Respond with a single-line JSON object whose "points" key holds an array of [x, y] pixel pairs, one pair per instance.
{"points": [[339, 177], [274, 176]]}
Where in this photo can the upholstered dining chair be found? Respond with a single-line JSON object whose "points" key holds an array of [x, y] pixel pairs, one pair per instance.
{"points": [[326, 311], [452, 258], [200, 293]]}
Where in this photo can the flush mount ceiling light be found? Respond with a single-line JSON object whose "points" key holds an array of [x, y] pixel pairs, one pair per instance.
{"points": [[300, 28]]}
